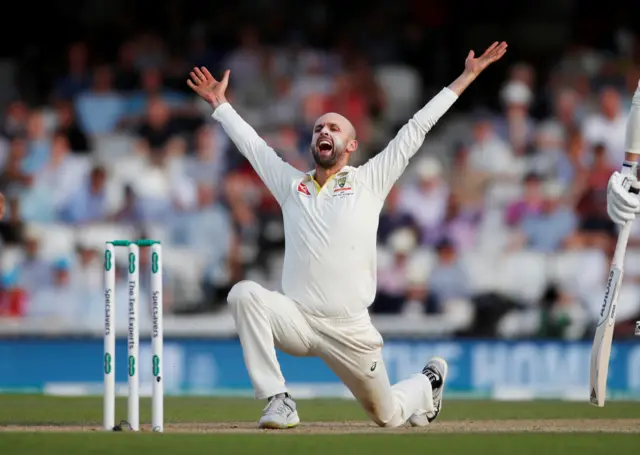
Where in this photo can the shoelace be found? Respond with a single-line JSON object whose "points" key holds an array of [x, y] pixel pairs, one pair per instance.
{"points": [[277, 406]]}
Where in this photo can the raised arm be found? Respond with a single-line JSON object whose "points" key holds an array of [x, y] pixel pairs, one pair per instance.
{"points": [[274, 172], [382, 171]]}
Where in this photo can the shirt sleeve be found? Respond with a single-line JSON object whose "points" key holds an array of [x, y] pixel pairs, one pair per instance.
{"points": [[276, 174], [383, 170]]}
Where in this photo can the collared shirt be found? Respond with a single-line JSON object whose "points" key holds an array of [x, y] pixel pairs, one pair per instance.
{"points": [[330, 232]]}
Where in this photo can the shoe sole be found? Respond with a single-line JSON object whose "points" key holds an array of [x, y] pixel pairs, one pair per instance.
{"points": [[271, 425]]}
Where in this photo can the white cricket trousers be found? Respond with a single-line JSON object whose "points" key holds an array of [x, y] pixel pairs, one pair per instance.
{"points": [[351, 347]]}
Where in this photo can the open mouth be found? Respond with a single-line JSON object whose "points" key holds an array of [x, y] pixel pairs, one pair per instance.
{"points": [[324, 145]]}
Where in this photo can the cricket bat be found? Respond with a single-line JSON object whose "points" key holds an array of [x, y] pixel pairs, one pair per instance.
{"points": [[601, 348]]}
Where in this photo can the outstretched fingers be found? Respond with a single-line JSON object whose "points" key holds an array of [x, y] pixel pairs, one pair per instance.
{"points": [[194, 78], [491, 48], [206, 73], [204, 84], [198, 72], [199, 76], [501, 52], [495, 51]]}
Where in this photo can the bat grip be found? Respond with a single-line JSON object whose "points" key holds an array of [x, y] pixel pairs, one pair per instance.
{"points": [[621, 245]]}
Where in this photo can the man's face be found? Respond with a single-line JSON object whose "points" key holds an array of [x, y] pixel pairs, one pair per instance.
{"points": [[97, 180], [482, 130], [62, 277], [533, 190], [31, 248], [566, 106], [59, 148], [610, 103], [158, 113], [333, 137], [87, 255], [447, 255], [551, 204]]}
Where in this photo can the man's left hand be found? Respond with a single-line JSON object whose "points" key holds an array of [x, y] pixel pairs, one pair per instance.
{"points": [[475, 66]]}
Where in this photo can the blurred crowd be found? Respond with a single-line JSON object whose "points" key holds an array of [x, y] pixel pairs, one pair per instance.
{"points": [[499, 226]]}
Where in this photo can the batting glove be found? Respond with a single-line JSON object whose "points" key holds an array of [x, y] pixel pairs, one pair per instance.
{"points": [[623, 202]]}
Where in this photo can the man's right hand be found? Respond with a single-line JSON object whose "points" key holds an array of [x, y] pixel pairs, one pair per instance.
{"points": [[209, 89], [623, 202]]}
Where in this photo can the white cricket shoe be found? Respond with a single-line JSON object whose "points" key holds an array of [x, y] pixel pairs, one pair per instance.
{"points": [[436, 371], [279, 414]]}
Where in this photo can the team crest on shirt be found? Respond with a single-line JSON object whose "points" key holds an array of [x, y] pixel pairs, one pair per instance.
{"points": [[302, 189], [342, 187]]}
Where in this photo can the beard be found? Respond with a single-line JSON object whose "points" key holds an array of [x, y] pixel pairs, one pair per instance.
{"points": [[327, 161]]}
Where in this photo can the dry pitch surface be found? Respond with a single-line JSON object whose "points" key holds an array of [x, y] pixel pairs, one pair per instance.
{"points": [[20, 413], [205, 425], [351, 427]]}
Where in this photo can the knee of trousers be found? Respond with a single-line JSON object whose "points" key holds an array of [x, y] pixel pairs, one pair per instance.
{"points": [[384, 421], [382, 415], [244, 293]]}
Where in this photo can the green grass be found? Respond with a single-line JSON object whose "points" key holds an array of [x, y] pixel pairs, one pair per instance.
{"points": [[33, 410], [225, 444]]}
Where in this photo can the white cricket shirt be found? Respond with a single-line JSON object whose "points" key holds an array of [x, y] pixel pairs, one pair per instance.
{"points": [[330, 232]]}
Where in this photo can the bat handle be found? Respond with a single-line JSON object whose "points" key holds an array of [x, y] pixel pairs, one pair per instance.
{"points": [[621, 245]]}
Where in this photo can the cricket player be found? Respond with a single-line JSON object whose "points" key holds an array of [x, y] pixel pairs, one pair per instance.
{"points": [[623, 203], [329, 273]]}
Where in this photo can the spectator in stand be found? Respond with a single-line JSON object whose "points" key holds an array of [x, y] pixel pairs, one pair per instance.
{"points": [[67, 124], [33, 273], [393, 274], [207, 162], [58, 302], [158, 130], [90, 203], [552, 228], [448, 282], [516, 127], [78, 78], [608, 126], [531, 202], [13, 299], [596, 228], [15, 121], [13, 178], [127, 77], [469, 183], [490, 154], [573, 163], [460, 224], [393, 218], [152, 88], [100, 108], [38, 143], [426, 199]]}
